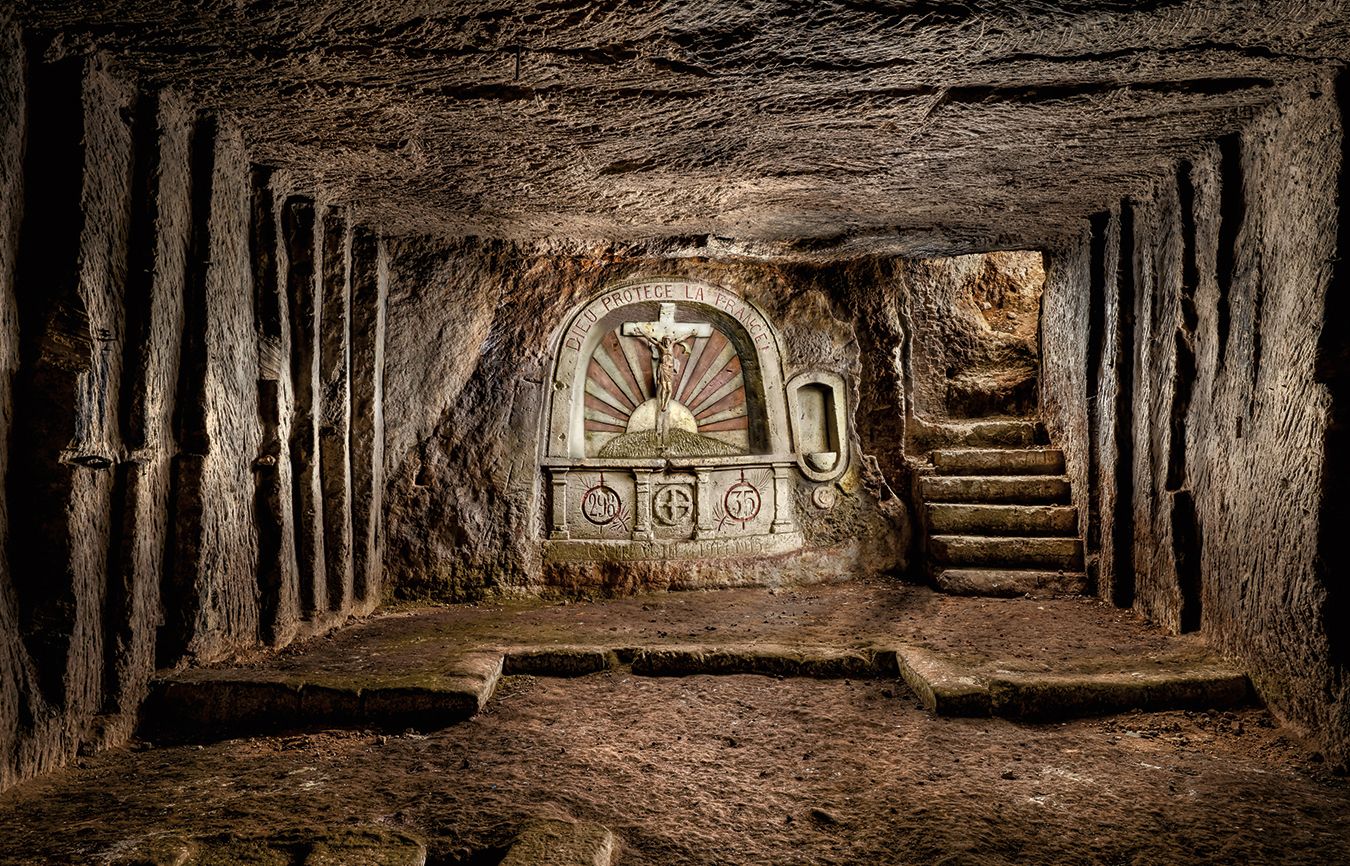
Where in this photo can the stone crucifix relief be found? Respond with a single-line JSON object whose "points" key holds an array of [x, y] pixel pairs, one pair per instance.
{"points": [[667, 338]]}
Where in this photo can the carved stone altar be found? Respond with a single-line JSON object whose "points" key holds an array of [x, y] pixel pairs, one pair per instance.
{"points": [[670, 433]]}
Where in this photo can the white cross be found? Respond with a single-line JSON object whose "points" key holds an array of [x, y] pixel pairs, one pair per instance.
{"points": [[665, 327]]}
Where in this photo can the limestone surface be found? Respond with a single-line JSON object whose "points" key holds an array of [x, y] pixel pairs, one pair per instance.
{"points": [[935, 126]]}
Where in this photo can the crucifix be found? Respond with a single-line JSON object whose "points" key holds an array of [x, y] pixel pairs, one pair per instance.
{"points": [[665, 336]]}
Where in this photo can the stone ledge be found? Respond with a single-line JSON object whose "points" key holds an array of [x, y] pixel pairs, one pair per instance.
{"points": [[1032, 489], [1043, 552], [980, 518], [223, 702], [948, 687], [998, 461], [944, 688], [1056, 696], [582, 551], [559, 661], [765, 660], [231, 701], [1010, 583]]}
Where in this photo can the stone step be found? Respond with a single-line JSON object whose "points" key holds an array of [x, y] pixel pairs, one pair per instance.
{"points": [[948, 685], [1014, 551], [981, 434], [763, 659], [945, 518], [999, 461], [994, 488], [1010, 583], [212, 703]]}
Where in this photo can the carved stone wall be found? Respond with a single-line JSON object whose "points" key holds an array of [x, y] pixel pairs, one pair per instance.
{"points": [[148, 405], [674, 389], [481, 501], [976, 353], [1209, 317]]}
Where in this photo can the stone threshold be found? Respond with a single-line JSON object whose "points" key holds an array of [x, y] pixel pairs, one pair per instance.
{"points": [[539, 842], [219, 703], [947, 687]]}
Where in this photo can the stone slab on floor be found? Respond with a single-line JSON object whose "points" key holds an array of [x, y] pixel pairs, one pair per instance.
{"points": [[944, 688], [561, 843], [774, 661], [211, 701], [558, 661], [355, 847], [949, 685]]}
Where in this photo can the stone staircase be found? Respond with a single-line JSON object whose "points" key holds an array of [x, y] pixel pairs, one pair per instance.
{"points": [[996, 515]]}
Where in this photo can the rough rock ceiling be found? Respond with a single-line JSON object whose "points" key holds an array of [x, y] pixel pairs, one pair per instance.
{"points": [[943, 126]]}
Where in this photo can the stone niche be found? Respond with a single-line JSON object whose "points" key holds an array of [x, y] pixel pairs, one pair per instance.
{"points": [[671, 432]]}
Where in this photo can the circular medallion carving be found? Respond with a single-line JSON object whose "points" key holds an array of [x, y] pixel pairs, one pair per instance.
{"points": [[741, 502], [825, 497], [674, 504], [600, 504]]}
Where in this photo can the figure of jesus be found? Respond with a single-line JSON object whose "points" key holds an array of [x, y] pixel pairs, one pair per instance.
{"points": [[667, 338], [665, 352]]}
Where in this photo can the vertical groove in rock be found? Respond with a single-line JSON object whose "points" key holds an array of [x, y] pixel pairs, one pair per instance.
{"points": [[45, 276], [1122, 520], [157, 256], [16, 693], [1099, 225], [370, 293], [1186, 545], [1232, 214], [180, 600], [304, 293], [73, 321], [335, 416], [278, 590], [1333, 369], [216, 538]]}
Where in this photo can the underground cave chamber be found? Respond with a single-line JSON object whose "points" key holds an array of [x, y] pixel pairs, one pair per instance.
{"points": [[313, 323]]}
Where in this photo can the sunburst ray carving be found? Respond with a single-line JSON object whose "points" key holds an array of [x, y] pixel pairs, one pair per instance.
{"points": [[710, 384]]}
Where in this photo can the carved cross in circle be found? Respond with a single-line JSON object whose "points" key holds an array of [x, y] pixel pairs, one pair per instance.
{"points": [[673, 504]]}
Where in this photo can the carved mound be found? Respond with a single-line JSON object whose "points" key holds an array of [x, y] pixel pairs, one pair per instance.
{"points": [[677, 443]]}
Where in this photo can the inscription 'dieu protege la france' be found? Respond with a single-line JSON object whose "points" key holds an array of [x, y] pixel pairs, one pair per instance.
{"points": [[622, 297]]}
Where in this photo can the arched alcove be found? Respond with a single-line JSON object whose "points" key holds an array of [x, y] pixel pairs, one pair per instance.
{"points": [[667, 432], [717, 380]]}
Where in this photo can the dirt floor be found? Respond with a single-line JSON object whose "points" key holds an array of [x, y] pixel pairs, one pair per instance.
{"points": [[739, 769], [734, 769]]}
